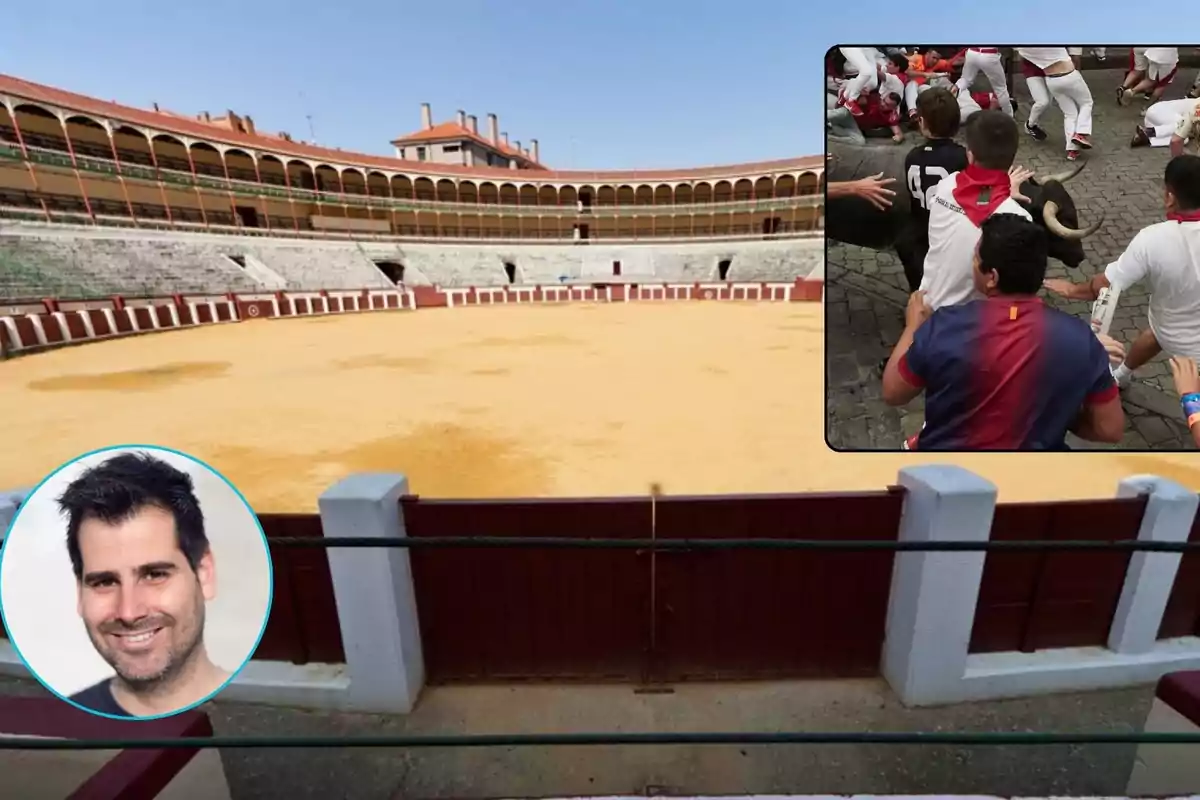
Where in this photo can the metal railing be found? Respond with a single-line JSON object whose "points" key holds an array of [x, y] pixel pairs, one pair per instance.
{"points": [[958, 738]]}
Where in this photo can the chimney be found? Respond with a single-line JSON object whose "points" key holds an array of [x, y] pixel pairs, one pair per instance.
{"points": [[249, 125], [518, 146], [493, 126], [474, 124], [504, 138], [207, 117], [534, 150], [156, 106], [426, 117], [462, 118]]}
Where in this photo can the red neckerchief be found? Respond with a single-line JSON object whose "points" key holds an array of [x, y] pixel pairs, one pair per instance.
{"points": [[979, 191], [1185, 216]]}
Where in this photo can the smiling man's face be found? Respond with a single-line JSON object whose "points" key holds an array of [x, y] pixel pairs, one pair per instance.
{"points": [[140, 600]]}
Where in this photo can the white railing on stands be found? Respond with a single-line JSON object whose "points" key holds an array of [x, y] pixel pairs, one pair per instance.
{"points": [[280, 191], [104, 220]]}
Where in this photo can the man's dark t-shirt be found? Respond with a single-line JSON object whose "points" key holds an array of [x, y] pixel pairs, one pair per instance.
{"points": [[924, 167], [1005, 373], [99, 698]]}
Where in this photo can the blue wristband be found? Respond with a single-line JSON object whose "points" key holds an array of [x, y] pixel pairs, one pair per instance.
{"points": [[1191, 408]]}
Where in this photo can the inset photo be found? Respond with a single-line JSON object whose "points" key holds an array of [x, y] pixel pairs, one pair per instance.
{"points": [[135, 582], [1012, 247]]}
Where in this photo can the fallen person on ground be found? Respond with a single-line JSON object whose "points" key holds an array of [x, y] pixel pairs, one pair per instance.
{"points": [[1170, 123], [851, 122]]}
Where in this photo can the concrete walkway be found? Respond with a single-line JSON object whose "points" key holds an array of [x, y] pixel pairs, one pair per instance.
{"points": [[864, 705]]}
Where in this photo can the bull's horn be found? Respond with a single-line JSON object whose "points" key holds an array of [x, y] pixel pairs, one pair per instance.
{"points": [[1064, 176], [1050, 216]]}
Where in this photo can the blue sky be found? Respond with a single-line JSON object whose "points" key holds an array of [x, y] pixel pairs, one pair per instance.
{"points": [[600, 83]]}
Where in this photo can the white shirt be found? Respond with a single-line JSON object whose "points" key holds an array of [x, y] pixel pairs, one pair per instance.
{"points": [[1167, 256], [1186, 128], [891, 84], [949, 278], [1163, 55], [1042, 57]]}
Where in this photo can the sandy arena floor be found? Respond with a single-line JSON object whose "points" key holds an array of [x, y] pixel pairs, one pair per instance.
{"points": [[581, 400]]}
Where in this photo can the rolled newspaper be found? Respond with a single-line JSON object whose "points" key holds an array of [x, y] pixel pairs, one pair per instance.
{"points": [[1103, 310]]}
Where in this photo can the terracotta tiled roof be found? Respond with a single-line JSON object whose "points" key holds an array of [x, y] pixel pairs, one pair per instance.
{"points": [[452, 131], [19, 89]]}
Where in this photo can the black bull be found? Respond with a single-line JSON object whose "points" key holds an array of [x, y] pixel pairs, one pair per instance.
{"points": [[853, 220]]}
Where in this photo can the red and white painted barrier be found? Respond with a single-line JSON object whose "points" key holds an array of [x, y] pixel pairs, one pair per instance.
{"points": [[50, 323], [106, 775]]}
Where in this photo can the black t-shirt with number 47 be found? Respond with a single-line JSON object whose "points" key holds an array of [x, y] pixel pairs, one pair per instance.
{"points": [[924, 168]]}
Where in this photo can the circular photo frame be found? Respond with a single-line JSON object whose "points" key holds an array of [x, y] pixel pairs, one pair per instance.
{"points": [[135, 582]]}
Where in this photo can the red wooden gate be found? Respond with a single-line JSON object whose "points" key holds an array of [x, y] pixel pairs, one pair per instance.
{"points": [[751, 614], [501, 614], [1033, 600]]}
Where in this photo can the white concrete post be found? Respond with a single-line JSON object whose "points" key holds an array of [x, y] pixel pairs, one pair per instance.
{"points": [[377, 607], [932, 605], [1170, 511]]}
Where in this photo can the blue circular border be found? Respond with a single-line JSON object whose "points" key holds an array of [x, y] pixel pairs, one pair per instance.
{"points": [[270, 579]]}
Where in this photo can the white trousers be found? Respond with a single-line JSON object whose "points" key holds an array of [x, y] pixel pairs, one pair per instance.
{"points": [[966, 107], [868, 72], [991, 65], [1074, 97], [912, 90], [1162, 117], [1041, 98], [1140, 63]]}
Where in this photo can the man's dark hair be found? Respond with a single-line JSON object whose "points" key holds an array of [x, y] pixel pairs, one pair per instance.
{"points": [[992, 139], [900, 60], [895, 98], [938, 108], [119, 488], [1016, 249], [1182, 177]]}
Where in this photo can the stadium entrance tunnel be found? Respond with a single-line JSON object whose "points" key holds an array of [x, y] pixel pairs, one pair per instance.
{"points": [[392, 270]]}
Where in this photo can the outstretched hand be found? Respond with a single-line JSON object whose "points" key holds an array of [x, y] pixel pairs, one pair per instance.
{"points": [[874, 190], [1017, 176]]}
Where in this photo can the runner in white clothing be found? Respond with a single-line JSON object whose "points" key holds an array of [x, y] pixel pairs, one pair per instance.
{"points": [[1167, 256], [1168, 122], [1153, 70], [863, 61], [963, 200], [988, 61], [1069, 90]]}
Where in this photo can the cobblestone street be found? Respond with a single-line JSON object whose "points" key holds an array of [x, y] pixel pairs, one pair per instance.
{"points": [[866, 290]]}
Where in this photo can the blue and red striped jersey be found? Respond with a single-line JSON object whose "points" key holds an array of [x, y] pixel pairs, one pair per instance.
{"points": [[1005, 373]]}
